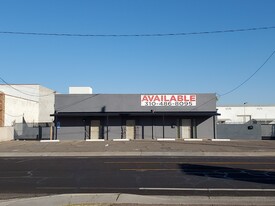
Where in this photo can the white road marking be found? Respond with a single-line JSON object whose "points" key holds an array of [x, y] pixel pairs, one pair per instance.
{"points": [[208, 189], [86, 188], [151, 169], [191, 163]]}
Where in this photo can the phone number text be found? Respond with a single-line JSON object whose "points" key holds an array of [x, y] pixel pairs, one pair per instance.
{"points": [[167, 104]]}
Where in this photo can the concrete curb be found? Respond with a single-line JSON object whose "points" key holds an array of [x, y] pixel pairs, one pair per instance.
{"points": [[166, 139], [220, 140], [138, 153], [121, 140], [94, 140], [193, 140], [50, 141], [67, 199]]}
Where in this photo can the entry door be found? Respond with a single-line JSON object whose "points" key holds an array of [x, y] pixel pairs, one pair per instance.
{"points": [[186, 128], [95, 129], [130, 129]]}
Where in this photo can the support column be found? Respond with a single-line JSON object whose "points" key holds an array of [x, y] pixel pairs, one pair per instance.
{"points": [[85, 129], [194, 128], [163, 122], [56, 125], [107, 125], [214, 126], [152, 127]]}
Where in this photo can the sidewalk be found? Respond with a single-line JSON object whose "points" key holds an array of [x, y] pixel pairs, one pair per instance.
{"points": [[137, 148], [114, 199]]}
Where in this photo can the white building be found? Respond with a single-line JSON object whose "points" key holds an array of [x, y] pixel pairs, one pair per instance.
{"points": [[246, 114], [29, 103]]}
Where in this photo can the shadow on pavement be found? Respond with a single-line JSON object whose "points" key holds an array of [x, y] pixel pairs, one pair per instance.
{"points": [[256, 176]]}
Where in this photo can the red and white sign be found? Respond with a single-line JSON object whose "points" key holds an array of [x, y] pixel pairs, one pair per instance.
{"points": [[168, 100]]}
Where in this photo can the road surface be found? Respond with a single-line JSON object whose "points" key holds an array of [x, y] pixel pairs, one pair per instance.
{"points": [[238, 176]]}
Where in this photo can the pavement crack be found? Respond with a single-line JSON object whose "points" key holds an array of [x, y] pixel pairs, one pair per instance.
{"points": [[70, 199], [118, 196]]}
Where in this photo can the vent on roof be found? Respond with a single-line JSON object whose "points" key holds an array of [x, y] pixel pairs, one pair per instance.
{"points": [[80, 90]]}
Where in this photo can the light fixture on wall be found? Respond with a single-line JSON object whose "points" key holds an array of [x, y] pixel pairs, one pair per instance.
{"points": [[250, 127]]}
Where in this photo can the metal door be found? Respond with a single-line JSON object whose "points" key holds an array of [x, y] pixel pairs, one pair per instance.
{"points": [[130, 129], [186, 128], [95, 129]]}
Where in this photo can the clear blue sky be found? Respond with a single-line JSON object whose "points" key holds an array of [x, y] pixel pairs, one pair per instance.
{"points": [[178, 64]]}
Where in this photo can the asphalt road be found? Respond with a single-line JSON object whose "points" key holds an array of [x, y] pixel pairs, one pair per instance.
{"points": [[32, 176]]}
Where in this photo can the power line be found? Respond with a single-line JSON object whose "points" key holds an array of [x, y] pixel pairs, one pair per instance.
{"points": [[246, 80], [215, 98], [75, 103], [29, 94], [237, 87], [137, 35]]}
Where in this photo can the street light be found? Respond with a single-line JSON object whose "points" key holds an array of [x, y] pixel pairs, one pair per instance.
{"points": [[244, 118]]}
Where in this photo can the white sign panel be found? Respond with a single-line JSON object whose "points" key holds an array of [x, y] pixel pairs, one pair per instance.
{"points": [[168, 100]]}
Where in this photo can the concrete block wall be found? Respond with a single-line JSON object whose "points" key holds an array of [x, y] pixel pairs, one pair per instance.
{"points": [[6, 133], [268, 131], [239, 132]]}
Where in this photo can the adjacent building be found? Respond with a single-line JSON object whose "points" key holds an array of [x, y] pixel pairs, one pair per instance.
{"points": [[25, 103], [246, 122], [240, 114], [135, 116], [24, 110]]}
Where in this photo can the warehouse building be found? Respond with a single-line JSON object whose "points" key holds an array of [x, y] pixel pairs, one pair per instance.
{"points": [[241, 114], [246, 122], [25, 102], [23, 107], [135, 116]]}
